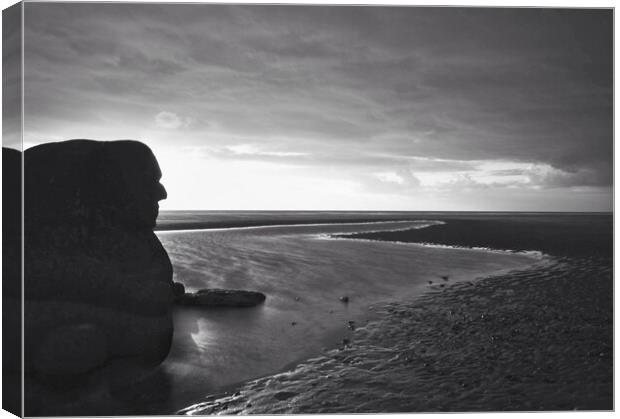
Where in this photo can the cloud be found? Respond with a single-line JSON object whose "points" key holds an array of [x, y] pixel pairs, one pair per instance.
{"points": [[396, 181], [401, 177], [170, 120], [138, 62], [350, 90], [550, 177], [390, 177], [253, 150]]}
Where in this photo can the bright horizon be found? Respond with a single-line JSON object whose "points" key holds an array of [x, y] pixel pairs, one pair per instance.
{"points": [[335, 108]]}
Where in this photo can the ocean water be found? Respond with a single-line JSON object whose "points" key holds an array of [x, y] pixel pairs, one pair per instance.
{"points": [[303, 272]]}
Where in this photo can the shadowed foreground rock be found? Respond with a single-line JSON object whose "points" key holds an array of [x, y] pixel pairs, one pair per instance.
{"points": [[98, 283], [11, 280]]}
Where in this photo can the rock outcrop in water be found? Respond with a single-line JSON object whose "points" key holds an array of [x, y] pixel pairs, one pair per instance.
{"points": [[221, 298], [97, 281]]}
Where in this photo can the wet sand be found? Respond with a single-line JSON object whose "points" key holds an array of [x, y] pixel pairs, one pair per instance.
{"points": [[303, 275], [540, 338], [559, 235]]}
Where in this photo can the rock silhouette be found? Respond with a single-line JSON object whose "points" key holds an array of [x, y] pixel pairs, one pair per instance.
{"points": [[97, 281]]}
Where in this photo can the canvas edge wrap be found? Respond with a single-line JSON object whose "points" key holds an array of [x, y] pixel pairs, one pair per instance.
{"points": [[12, 215]]}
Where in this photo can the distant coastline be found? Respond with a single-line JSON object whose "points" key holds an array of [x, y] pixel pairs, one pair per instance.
{"points": [[169, 220]]}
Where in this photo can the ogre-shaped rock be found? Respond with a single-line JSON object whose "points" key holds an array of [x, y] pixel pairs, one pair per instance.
{"points": [[97, 281]]}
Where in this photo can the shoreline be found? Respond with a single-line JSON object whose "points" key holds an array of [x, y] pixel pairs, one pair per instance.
{"points": [[349, 236], [251, 219], [447, 319], [545, 236], [561, 270], [321, 320], [197, 227], [239, 225]]}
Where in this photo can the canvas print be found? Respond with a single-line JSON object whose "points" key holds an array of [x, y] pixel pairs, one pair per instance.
{"points": [[292, 209]]}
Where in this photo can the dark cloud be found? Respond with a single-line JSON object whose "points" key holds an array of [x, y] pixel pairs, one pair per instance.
{"points": [[334, 84]]}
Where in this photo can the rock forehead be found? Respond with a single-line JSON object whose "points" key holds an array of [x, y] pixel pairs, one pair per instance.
{"points": [[117, 180]]}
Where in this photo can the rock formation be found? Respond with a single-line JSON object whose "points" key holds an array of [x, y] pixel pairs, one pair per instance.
{"points": [[221, 298], [97, 281]]}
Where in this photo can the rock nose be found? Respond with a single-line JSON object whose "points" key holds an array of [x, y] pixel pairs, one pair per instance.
{"points": [[160, 192]]}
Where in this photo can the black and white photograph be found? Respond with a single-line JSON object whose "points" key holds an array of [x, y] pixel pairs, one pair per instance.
{"points": [[282, 209]]}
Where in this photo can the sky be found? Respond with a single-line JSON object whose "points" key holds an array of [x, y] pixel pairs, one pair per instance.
{"points": [[336, 107]]}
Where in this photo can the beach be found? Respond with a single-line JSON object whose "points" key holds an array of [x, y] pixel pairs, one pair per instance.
{"points": [[382, 312], [519, 342], [529, 339], [305, 274]]}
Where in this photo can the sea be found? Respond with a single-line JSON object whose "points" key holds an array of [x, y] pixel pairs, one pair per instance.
{"points": [[320, 291]]}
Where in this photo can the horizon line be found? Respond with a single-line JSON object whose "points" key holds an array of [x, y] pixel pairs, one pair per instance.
{"points": [[393, 211]]}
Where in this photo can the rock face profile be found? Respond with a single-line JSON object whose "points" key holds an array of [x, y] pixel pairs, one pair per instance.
{"points": [[97, 281]]}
